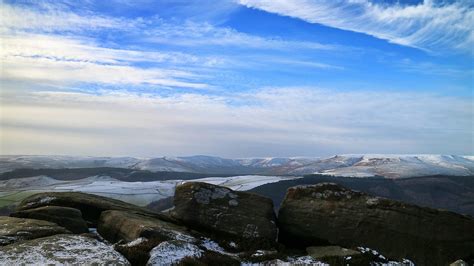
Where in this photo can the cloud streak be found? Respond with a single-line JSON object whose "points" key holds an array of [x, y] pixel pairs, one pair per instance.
{"points": [[431, 25], [65, 60]]}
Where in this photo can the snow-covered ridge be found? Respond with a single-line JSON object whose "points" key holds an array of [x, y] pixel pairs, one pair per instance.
{"points": [[361, 165]]}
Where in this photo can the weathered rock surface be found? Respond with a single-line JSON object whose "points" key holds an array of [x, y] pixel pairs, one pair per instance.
{"points": [[60, 250], [66, 217], [329, 213], [16, 229], [319, 252], [241, 215], [128, 226], [90, 205]]}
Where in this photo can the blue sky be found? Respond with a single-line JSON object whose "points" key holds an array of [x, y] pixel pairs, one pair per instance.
{"points": [[236, 78]]}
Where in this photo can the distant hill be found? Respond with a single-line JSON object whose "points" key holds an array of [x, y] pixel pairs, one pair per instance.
{"points": [[389, 166]]}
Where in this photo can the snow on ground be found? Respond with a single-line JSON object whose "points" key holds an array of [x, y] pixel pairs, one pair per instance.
{"points": [[139, 193], [245, 182], [61, 250]]}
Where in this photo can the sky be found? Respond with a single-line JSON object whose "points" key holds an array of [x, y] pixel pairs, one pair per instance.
{"points": [[236, 78]]}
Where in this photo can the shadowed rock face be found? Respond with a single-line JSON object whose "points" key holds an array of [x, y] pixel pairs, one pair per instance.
{"points": [[69, 218], [329, 213], [90, 205], [225, 212], [16, 229]]}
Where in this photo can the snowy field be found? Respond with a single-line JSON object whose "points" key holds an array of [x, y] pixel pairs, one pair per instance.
{"points": [[139, 193]]}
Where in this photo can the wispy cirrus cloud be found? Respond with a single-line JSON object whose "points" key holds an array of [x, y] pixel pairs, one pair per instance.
{"points": [[55, 17], [198, 34], [51, 43], [431, 25], [153, 29]]}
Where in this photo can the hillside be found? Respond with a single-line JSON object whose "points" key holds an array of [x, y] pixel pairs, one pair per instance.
{"points": [[389, 166]]}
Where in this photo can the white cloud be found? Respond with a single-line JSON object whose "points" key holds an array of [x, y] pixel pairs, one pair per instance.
{"points": [[431, 25], [70, 60], [279, 122]]}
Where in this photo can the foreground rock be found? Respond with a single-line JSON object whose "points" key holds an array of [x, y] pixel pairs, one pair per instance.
{"points": [[60, 250], [90, 205], [66, 217], [330, 214], [245, 217], [141, 233], [17, 229], [127, 226]]}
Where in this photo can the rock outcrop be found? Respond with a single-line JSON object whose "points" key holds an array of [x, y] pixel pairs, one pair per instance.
{"points": [[61, 250], [90, 205], [246, 217], [66, 217], [331, 214], [16, 229]]}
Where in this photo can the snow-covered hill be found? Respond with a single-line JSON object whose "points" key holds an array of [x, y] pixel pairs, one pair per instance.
{"points": [[399, 166], [390, 166]]}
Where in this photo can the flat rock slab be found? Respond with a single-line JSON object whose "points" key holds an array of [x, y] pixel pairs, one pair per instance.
{"points": [[90, 205], [16, 229], [128, 226], [333, 214], [66, 217], [60, 250], [247, 217]]}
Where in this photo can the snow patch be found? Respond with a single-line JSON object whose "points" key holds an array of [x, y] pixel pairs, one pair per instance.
{"points": [[136, 242], [60, 250], [43, 200], [172, 252]]}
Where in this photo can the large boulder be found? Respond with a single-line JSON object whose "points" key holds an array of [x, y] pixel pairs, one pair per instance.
{"points": [[331, 214], [66, 217], [61, 250], [128, 226], [90, 205], [16, 229], [245, 217], [137, 234]]}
